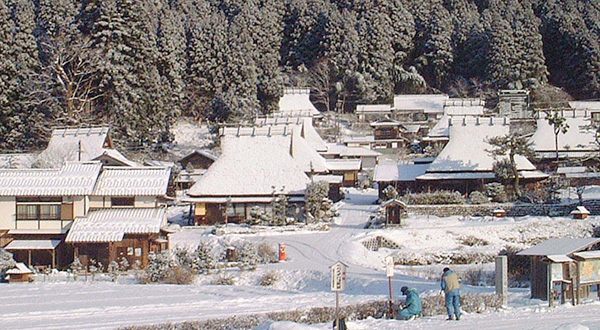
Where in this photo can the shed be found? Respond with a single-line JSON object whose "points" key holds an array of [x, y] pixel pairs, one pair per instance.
{"points": [[19, 273], [562, 252], [580, 213], [395, 210]]}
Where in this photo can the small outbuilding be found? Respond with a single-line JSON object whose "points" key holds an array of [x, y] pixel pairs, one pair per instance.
{"points": [[580, 213], [394, 210], [564, 267], [19, 273]]}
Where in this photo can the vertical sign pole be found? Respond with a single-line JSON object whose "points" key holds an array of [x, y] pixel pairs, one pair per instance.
{"points": [[502, 278], [337, 310], [392, 313]]}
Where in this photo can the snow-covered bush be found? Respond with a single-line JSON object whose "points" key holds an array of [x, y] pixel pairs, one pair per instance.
{"points": [[462, 257], [280, 210], [6, 262], [477, 197], [179, 275], [270, 278], [477, 276], [206, 260], [158, 265], [389, 193], [257, 216], [441, 197], [267, 253], [95, 267], [76, 268], [223, 279], [113, 268], [247, 256], [497, 192], [471, 240]]}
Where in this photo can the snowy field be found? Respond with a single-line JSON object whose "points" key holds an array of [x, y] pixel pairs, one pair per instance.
{"points": [[304, 283]]}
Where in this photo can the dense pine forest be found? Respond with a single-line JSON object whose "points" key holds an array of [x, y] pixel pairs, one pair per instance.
{"points": [[139, 65]]}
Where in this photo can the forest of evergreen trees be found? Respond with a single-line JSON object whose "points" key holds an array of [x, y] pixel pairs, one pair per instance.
{"points": [[138, 65]]}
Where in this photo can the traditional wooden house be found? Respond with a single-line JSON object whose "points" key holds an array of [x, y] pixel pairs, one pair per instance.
{"points": [[454, 110], [568, 266], [348, 168], [372, 112], [403, 177], [574, 146], [80, 144], [419, 107], [256, 166], [388, 133], [197, 159], [125, 218], [465, 163], [335, 184], [359, 141], [38, 206], [369, 158]]}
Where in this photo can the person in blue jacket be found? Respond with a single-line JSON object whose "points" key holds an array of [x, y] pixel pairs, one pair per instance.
{"points": [[451, 287], [413, 304]]}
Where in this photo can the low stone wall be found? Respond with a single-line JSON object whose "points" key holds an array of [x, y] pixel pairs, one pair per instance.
{"points": [[512, 210]]}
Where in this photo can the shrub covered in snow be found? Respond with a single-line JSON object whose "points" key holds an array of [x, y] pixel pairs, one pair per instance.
{"points": [[497, 192], [477, 197], [389, 193], [477, 276], [6, 262], [267, 252], [318, 206], [270, 278], [179, 275], [223, 279], [247, 255], [471, 240], [462, 257], [441, 197]]}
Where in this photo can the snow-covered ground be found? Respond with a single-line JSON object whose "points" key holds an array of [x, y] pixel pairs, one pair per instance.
{"points": [[304, 279]]}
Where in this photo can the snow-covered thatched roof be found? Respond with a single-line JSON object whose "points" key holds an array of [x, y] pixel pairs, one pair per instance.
{"points": [[72, 144], [72, 179], [296, 102], [111, 225], [305, 155], [344, 164], [578, 139], [467, 148], [133, 181], [429, 103], [113, 157], [253, 165], [342, 150], [585, 105]]}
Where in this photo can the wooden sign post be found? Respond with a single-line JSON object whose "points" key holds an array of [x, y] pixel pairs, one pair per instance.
{"points": [[338, 284], [389, 269]]}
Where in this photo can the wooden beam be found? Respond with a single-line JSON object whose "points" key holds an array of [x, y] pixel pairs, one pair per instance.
{"points": [[29, 258], [53, 259]]}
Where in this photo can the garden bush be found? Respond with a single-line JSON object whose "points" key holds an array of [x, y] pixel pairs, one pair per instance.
{"points": [[435, 198], [477, 197]]}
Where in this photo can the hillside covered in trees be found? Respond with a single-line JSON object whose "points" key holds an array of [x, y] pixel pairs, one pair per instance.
{"points": [[138, 65]]}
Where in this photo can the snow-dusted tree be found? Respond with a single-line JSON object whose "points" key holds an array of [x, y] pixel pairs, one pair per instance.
{"points": [[113, 269], [280, 209], [318, 206], [559, 125], [511, 145], [390, 193], [206, 256], [75, 268], [247, 255], [6, 262]]}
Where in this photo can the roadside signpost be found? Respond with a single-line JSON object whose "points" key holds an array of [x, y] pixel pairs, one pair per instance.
{"points": [[338, 284], [389, 269]]}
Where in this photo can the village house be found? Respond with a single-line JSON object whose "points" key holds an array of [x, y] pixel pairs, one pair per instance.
{"points": [[256, 166], [403, 177], [193, 166], [38, 206], [295, 102], [369, 158], [577, 146], [456, 109], [41, 208]]}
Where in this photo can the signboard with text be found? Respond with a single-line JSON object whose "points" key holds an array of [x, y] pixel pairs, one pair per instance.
{"points": [[389, 266], [338, 276]]}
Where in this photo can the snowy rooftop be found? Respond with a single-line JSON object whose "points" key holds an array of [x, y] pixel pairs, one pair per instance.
{"points": [[34, 244], [429, 103], [358, 139], [306, 156], [578, 137], [585, 105], [387, 172], [201, 152], [19, 269], [252, 165], [133, 181], [72, 179], [384, 122], [373, 108], [344, 164], [115, 156], [111, 225], [560, 246], [345, 151], [71, 144], [297, 100], [328, 178], [466, 150]]}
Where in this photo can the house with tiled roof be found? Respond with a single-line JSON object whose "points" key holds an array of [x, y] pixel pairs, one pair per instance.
{"points": [[45, 212]]}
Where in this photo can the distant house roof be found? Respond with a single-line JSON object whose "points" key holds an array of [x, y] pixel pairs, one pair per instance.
{"points": [[305, 156], [578, 139], [296, 101], [580, 210], [33, 244], [19, 269], [252, 165], [585, 105], [384, 122], [464, 107], [560, 246], [158, 163], [429, 103], [358, 139], [345, 151], [17, 160], [390, 172], [203, 153], [393, 202], [571, 169], [467, 148], [304, 124], [133, 181], [344, 164], [330, 178], [113, 157], [111, 225], [72, 179], [73, 144], [373, 108]]}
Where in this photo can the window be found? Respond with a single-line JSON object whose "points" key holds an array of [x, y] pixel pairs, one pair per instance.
{"points": [[236, 210], [122, 201], [31, 211]]}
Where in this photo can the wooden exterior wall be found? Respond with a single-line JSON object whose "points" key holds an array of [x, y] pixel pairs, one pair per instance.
{"points": [[197, 161], [539, 278], [132, 247]]}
